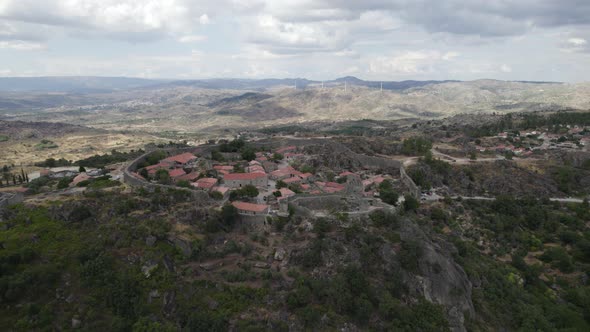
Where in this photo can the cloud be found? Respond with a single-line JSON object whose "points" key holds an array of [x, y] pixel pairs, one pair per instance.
{"points": [[122, 19], [410, 62], [192, 38], [204, 19], [575, 42]]}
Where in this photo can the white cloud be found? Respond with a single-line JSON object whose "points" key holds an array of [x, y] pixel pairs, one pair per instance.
{"points": [[192, 39], [120, 19], [505, 68], [21, 45], [204, 19], [577, 41]]}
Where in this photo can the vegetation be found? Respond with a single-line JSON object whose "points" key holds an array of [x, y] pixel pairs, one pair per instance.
{"points": [[247, 191], [387, 194], [416, 146], [100, 161], [46, 144]]}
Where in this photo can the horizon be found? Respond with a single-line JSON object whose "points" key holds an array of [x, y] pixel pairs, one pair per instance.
{"points": [[171, 79]]}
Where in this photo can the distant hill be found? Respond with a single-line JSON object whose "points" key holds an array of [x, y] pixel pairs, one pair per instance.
{"points": [[96, 84], [79, 84]]}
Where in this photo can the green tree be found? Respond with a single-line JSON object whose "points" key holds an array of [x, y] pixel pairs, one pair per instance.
{"points": [[277, 156], [162, 176], [416, 146], [229, 215], [411, 203], [248, 155], [386, 192], [183, 184], [64, 183]]}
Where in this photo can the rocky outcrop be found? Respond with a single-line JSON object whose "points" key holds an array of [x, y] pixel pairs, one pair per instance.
{"points": [[439, 278]]}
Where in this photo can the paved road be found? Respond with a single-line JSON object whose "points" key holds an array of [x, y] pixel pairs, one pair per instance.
{"points": [[436, 197], [443, 156]]}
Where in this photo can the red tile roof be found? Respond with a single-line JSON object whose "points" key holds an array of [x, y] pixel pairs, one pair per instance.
{"points": [[285, 171], [256, 169], [205, 183], [156, 166], [220, 189], [176, 172], [292, 180], [243, 176], [182, 158], [189, 177], [250, 207], [286, 192]]}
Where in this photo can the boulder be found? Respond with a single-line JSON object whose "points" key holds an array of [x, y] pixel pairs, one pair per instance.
{"points": [[148, 268], [150, 240], [280, 254]]}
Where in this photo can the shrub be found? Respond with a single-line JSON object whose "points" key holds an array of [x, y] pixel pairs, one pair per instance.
{"points": [[411, 203]]}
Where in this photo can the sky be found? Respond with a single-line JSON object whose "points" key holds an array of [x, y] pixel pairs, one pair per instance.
{"points": [[393, 40]]}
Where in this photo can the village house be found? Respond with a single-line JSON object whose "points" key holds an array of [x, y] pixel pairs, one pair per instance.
{"points": [[251, 209], [152, 169], [224, 191], [285, 193], [238, 180], [255, 169], [294, 179], [223, 168], [306, 177], [175, 174], [180, 159], [333, 187], [283, 173], [205, 183], [190, 177]]}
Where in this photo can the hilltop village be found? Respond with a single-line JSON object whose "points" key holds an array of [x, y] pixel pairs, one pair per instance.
{"points": [[261, 181]]}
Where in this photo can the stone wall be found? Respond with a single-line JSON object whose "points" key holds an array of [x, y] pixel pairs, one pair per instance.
{"points": [[413, 189], [253, 223]]}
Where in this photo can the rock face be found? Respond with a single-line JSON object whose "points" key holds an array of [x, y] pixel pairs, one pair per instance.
{"points": [[439, 279]]}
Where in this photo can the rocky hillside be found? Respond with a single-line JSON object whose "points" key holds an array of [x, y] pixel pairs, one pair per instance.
{"points": [[115, 260]]}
